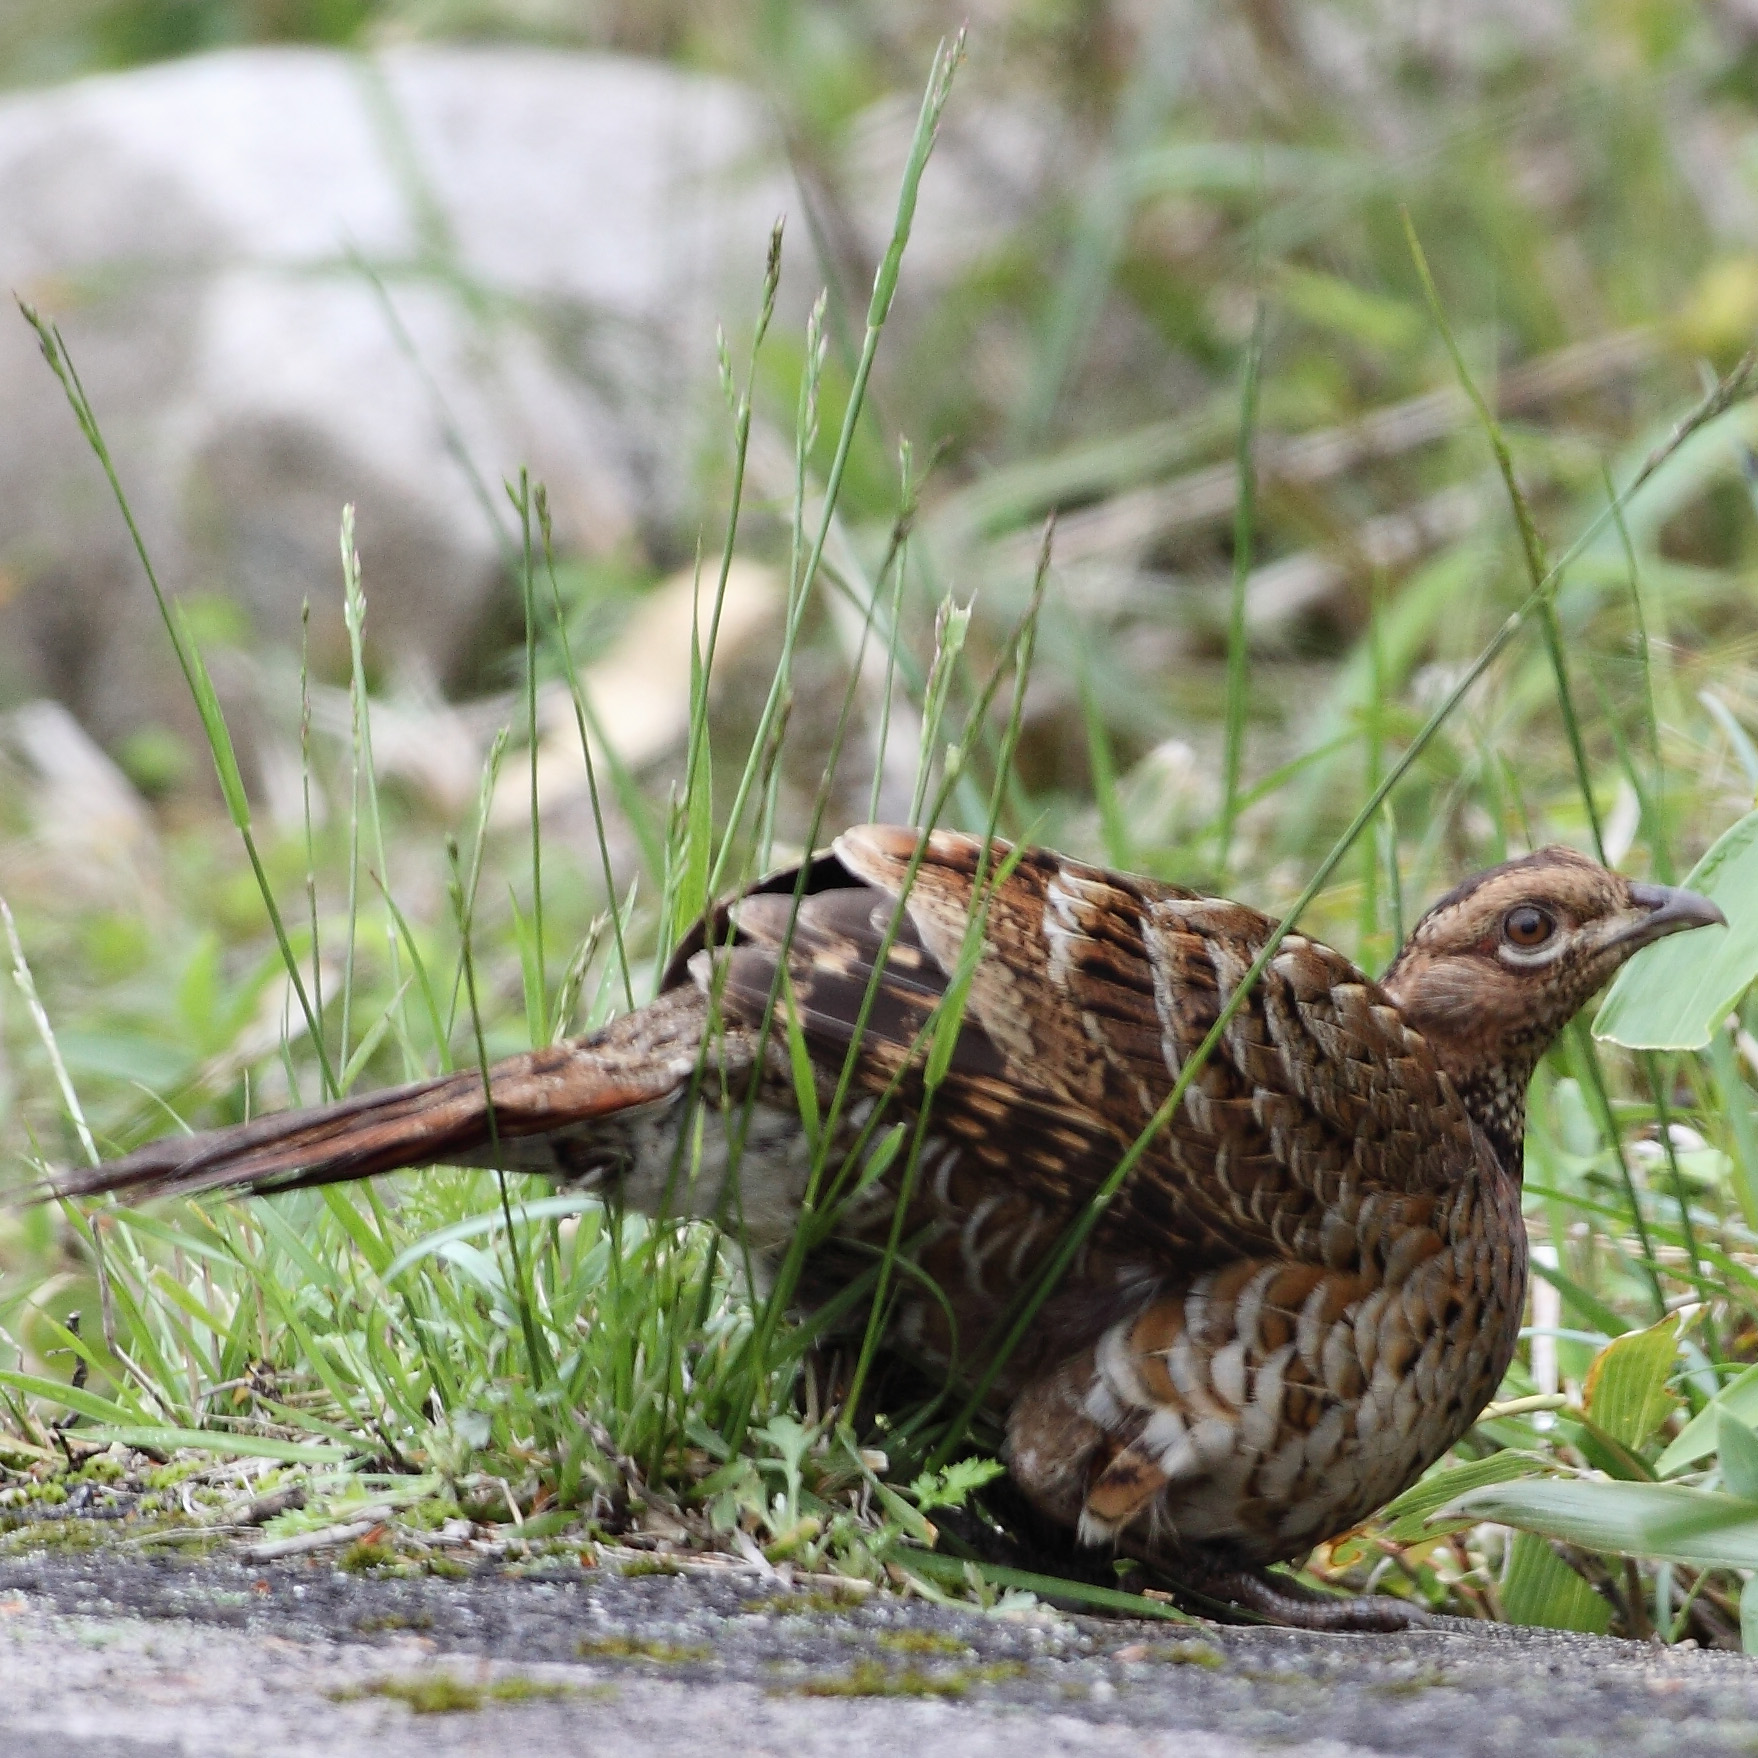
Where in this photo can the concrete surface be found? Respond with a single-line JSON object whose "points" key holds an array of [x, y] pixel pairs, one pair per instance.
{"points": [[149, 1659]]}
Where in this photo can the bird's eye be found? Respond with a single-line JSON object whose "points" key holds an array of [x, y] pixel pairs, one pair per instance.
{"points": [[1527, 927]]}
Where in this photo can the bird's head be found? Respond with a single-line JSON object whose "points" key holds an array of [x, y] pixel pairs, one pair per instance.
{"points": [[1504, 961]]}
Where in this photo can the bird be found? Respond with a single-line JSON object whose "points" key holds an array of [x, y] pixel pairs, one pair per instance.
{"points": [[1299, 1296]]}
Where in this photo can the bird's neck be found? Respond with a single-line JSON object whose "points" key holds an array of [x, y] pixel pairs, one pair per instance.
{"points": [[1495, 1096], [1489, 1060]]}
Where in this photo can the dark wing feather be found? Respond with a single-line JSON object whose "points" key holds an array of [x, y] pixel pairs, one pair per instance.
{"points": [[1319, 1106]]}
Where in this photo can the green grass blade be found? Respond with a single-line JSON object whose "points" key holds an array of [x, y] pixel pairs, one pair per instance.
{"points": [[1238, 657], [577, 694], [954, 1572], [537, 1005], [946, 62]]}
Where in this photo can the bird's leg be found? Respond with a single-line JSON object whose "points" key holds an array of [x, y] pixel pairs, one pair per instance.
{"points": [[1209, 1587], [1280, 1600]]}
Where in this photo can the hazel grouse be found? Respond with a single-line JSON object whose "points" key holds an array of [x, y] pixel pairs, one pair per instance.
{"points": [[1304, 1292]]}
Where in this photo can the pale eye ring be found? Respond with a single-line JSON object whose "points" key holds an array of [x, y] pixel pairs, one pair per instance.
{"points": [[1526, 927]]}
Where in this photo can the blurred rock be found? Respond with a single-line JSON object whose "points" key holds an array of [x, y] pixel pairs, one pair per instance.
{"points": [[552, 236], [996, 160], [92, 836], [295, 278]]}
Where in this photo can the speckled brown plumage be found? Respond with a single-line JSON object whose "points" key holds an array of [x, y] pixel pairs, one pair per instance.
{"points": [[1303, 1294]]}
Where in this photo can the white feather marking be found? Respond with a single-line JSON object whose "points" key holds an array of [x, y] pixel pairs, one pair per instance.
{"points": [[946, 1162], [1100, 1403], [1116, 1363], [1277, 1474], [1024, 1240], [1367, 1330], [1307, 1332], [1212, 1440], [1413, 1247], [1338, 1356], [1267, 1383], [1092, 1530], [1184, 1368], [1257, 1429], [1227, 1373], [1249, 1306], [971, 1249], [1326, 1437], [1165, 1438], [1060, 929], [1367, 1415]]}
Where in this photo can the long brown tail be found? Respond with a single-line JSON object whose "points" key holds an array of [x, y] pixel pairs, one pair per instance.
{"points": [[639, 1059]]}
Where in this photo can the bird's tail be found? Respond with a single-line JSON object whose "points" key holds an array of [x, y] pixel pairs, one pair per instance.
{"points": [[528, 1105]]}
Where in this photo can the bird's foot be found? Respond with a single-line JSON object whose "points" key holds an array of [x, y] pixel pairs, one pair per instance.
{"points": [[1277, 1599]]}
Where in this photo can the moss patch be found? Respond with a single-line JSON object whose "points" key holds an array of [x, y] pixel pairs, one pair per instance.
{"points": [[643, 1648], [873, 1678], [364, 1556], [922, 1642], [441, 1694], [658, 1566], [1426, 1679], [1196, 1653], [383, 1621], [799, 1605]]}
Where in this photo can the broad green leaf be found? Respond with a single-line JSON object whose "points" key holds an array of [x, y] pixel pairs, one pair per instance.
{"points": [[914, 1524], [1542, 1589], [1602, 1452], [1671, 1521], [70, 1342], [169, 1288], [115, 1423], [1739, 1457], [1701, 1435], [1627, 1395], [1674, 995], [1749, 1616], [341, 1203], [1409, 1515]]}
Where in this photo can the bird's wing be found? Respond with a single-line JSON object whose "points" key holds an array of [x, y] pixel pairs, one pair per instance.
{"points": [[1320, 1119]]}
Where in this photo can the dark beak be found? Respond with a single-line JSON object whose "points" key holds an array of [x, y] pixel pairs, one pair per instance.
{"points": [[1671, 910]]}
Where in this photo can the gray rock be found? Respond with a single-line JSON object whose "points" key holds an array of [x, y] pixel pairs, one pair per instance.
{"points": [[550, 239]]}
